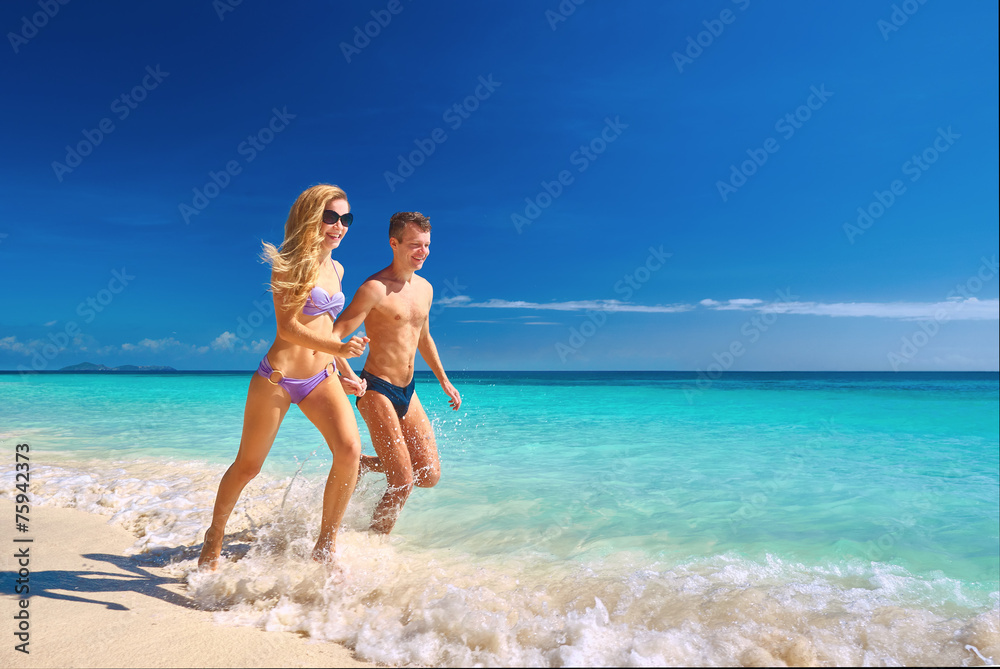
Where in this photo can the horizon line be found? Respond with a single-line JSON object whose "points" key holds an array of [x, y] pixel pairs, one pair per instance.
{"points": [[536, 371]]}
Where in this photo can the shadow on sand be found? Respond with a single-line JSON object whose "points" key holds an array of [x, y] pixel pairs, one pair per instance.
{"points": [[71, 586]]}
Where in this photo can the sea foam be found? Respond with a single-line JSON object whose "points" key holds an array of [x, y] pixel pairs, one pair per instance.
{"points": [[398, 603]]}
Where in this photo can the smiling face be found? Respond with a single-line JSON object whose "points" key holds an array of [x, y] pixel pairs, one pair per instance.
{"points": [[411, 252], [334, 233]]}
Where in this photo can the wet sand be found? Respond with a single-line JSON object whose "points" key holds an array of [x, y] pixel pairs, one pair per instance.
{"points": [[91, 605]]}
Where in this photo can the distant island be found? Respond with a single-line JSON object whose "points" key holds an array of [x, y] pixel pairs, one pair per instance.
{"points": [[91, 367]]}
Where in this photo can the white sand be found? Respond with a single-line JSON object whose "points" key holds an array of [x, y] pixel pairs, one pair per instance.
{"points": [[91, 606]]}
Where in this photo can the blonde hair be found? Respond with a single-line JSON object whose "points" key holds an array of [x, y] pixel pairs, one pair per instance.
{"points": [[296, 264]]}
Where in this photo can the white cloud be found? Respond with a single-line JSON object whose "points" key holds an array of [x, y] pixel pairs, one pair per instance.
{"points": [[738, 304], [161, 345], [225, 341], [155, 345], [85, 343], [12, 344], [575, 305], [452, 301], [955, 309], [969, 309]]}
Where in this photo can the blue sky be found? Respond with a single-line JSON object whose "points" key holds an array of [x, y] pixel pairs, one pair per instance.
{"points": [[712, 186]]}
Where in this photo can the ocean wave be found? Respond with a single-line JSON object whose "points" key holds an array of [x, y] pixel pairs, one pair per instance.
{"points": [[398, 603], [402, 608]]}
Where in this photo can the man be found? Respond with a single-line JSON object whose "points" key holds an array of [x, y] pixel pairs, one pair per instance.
{"points": [[394, 305]]}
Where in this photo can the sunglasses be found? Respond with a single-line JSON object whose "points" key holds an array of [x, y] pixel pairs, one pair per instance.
{"points": [[330, 217]]}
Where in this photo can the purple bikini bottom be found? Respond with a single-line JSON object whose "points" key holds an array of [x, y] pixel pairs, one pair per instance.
{"points": [[297, 389]]}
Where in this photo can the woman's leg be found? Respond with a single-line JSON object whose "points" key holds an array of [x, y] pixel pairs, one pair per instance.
{"points": [[330, 411], [266, 406]]}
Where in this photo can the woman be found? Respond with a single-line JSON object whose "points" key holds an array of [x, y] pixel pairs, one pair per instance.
{"points": [[306, 283]]}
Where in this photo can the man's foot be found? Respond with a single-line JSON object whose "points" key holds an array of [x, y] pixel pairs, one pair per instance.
{"points": [[210, 550], [382, 523], [370, 463]]}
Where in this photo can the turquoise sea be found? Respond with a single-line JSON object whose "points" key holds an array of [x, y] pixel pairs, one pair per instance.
{"points": [[584, 519]]}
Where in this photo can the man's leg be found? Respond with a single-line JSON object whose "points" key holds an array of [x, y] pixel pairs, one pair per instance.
{"points": [[422, 446], [394, 459]]}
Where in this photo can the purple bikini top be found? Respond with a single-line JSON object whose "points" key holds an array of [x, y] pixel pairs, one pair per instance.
{"points": [[321, 302]]}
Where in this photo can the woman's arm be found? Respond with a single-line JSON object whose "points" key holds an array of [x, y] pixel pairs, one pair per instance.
{"points": [[294, 332]]}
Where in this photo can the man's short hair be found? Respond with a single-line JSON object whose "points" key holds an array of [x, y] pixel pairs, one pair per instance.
{"points": [[399, 220]]}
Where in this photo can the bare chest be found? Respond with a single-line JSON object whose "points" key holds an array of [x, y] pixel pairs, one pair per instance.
{"points": [[403, 309]]}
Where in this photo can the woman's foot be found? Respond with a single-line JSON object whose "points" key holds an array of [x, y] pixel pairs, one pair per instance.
{"points": [[210, 550], [325, 550]]}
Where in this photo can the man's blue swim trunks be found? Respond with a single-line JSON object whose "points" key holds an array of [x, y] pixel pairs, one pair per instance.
{"points": [[400, 397]]}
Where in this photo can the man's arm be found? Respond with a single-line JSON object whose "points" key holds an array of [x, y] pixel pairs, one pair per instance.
{"points": [[369, 294], [353, 385], [428, 351], [351, 382], [350, 319]]}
